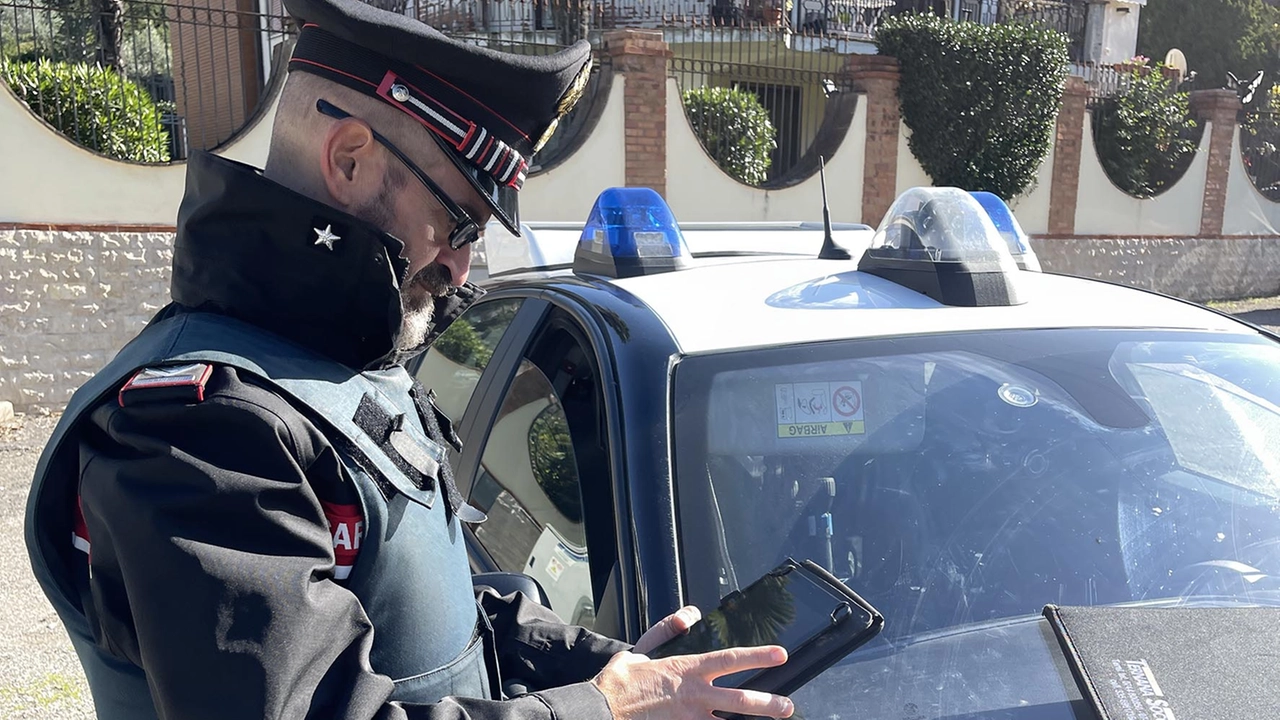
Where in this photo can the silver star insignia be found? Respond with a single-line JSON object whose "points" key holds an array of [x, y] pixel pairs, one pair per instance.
{"points": [[326, 237]]}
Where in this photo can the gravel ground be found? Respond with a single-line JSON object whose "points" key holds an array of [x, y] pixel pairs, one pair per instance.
{"points": [[40, 677], [1261, 311]]}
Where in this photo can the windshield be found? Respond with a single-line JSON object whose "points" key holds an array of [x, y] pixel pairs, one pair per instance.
{"points": [[970, 477]]}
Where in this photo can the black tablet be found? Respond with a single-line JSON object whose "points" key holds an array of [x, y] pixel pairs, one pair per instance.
{"points": [[798, 605]]}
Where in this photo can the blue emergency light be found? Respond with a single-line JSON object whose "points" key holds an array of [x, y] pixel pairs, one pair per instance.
{"points": [[1007, 225], [630, 232]]}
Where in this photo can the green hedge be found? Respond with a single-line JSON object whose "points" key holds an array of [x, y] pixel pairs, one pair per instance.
{"points": [[981, 100], [735, 130], [1145, 136], [93, 106]]}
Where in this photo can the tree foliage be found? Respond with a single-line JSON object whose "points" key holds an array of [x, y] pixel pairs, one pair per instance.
{"points": [[554, 465], [1217, 36], [1145, 136], [93, 106], [463, 345], [1260, 141], [735, 130], [981, 100]]}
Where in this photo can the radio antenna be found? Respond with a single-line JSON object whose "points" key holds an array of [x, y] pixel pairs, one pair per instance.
{"points": [[830, 251]]}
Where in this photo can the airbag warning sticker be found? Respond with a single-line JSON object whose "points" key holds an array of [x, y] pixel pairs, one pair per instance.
{"points": [[819, 409]]}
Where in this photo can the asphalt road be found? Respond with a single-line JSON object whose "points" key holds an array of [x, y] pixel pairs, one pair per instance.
{"points": [[40, 678]]}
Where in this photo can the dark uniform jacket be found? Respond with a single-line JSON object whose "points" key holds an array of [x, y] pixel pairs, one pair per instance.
{"points": [[207, 518]]}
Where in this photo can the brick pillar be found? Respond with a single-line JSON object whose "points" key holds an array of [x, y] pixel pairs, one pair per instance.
{"points": [[1065, 188], [1220, 108], [877, 77], [642, 58]]}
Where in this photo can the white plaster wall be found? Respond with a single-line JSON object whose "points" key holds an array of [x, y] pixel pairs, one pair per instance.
{"points": [[1120, 34], [1032, 209], [1104, 209], [50, 179], [59, 182], [910, 172], [567, 192], [699, 191], [1248, 212]]}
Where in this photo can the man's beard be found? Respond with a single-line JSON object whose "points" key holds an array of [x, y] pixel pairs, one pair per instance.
{"points": [[418, 294], [418, 304]]}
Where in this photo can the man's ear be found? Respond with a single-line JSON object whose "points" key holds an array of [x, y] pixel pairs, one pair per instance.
{"points": [[351, 166]]}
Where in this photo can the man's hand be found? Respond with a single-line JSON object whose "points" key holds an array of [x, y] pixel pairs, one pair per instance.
{"points": [[672, 626], [675, 688]]}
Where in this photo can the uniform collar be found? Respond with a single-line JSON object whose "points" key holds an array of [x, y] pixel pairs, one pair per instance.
{"points": [[255, 250]]}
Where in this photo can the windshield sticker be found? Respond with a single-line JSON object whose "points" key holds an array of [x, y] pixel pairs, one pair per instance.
{"points": [[819, 409]]}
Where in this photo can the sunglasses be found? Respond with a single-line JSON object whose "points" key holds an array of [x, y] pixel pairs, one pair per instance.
{"points": [[465, 229]]}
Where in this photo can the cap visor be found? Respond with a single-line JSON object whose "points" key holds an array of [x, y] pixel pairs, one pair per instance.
{"points": [[503, 200]]}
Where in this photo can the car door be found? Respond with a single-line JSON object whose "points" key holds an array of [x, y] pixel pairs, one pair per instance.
{"points": [[522, 381], [461, 364]]}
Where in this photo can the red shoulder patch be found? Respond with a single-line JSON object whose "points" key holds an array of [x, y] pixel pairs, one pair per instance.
{"points": [[183, 383], [346, 525]]}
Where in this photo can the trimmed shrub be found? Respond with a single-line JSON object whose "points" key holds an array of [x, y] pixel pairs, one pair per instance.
{"points": [[93, 106], [734, 129], [1145, 136], [981, 100]]}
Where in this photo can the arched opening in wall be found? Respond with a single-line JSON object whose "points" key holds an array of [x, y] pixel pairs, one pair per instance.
{"points": [[1260, 143], [1143, 130], [144, 81], [576, 126], [765, 101]]}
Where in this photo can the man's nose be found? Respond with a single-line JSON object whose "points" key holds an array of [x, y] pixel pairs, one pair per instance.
{"points": [[458, 262]]}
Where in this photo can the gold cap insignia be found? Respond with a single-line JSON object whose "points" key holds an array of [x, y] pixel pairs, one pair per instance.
{"points": [[566, 103]]}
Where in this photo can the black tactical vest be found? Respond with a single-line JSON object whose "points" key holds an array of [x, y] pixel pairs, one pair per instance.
{"points": [[412, 574]]}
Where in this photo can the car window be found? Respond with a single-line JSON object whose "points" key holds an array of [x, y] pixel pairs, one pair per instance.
{"points": [[528, 485], [453, 365]]}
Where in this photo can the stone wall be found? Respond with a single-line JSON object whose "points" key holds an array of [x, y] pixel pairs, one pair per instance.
{"points": [[69, 298], [1197, 269]]}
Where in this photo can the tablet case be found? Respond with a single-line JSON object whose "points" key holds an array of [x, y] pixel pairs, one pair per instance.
{"points": [[1203, 663], [827, 649]]}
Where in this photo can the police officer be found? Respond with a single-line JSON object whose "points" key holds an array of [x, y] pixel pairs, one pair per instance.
{"points": [[249, 512]]}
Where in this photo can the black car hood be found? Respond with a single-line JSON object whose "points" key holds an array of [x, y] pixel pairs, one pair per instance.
{"points": [[246, 246], [1008, 670], [1004, 670]]}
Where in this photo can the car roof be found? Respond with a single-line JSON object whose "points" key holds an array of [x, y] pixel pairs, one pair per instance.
{"points": [[723, 302], [786, 301]]}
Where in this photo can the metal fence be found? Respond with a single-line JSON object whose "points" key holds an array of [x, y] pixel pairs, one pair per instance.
{"points": [[785, 54], [1260, 146], [1108, 81], [1066, 16], [204, 69], [568, 20], [573, 128], [783, 87]]}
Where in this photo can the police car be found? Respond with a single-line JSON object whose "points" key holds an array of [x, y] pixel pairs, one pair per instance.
{"points": [[656, 414]]}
